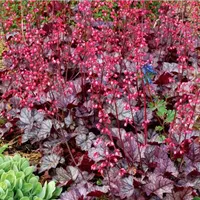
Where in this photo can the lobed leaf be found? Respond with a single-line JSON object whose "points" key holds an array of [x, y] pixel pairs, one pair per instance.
{"points": [[50, 161], [158, 185]]}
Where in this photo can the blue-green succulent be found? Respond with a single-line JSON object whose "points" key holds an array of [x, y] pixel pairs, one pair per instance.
{"points": [[17, 181]]}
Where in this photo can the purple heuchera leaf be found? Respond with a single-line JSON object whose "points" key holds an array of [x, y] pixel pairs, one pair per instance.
{"points": [[64, 176], [139, 116], [63, 100], [49, 145], [81, 190], [84, 176], [95, 190], [116, 132], [193, 158], [15, 102], [180, 137], [188, 165], [158, 185], [29, 134], [68, 120], [85, 110], [73, 194], [155, 198], [76, 85], [164, 164], [131, 148], [185, 194], [7, 127], [154, 137], [102, 24], [120, 110], [45, 129], [190, 181], [122, 187], [89, 105], [85, 141], [34, 125], [81, 130], [126, 187], [57, 124], [97, 153], [170, 67], [159, 158], [50, 161], [26, 117], [148, 153]]}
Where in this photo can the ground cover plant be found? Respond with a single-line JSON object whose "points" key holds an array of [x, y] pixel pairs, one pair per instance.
{"points": [[17, 180], [107, 92]]}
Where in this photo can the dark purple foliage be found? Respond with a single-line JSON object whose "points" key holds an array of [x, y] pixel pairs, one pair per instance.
{"points": [[77, 85]]}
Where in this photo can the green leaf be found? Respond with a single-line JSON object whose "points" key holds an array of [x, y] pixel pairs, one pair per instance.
{"points": [[3, 186], [160, 106], [51, 186], [152, 106], [2, 121], [24, 198], [25, 164], [20, 183], [15, 168], [34, 180], [20, 175], [17, 158], [10, 176], [99, 182], [170, 116], [1, 172], [161, 111], [3, 148], [19, 194], [1, 189], [37, 189], [57, 192], [10, 194], [3, 193], [158, 128], [98, 14], [43, 192], [161, 103], [5, 165], [196, 198], [27, 187], [8, 183], [37, 198], [162, 138], [1, 159], [28, 170], [179, 160]]}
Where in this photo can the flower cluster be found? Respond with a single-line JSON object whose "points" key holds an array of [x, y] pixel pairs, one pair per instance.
{"points": [[107, 86]]}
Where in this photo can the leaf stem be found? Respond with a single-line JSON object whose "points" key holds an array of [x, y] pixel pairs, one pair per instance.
{"points": [[145, 115]]}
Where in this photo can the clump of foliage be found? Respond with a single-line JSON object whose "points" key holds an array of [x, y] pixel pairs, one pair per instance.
{"points": [[109, 91], [17, 181]]}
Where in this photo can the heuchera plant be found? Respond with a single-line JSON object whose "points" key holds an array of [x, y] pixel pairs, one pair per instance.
{"points": [[110, 92]]}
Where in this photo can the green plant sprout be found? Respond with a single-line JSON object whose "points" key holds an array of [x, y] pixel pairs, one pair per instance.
{"points": [[162, 112]]}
